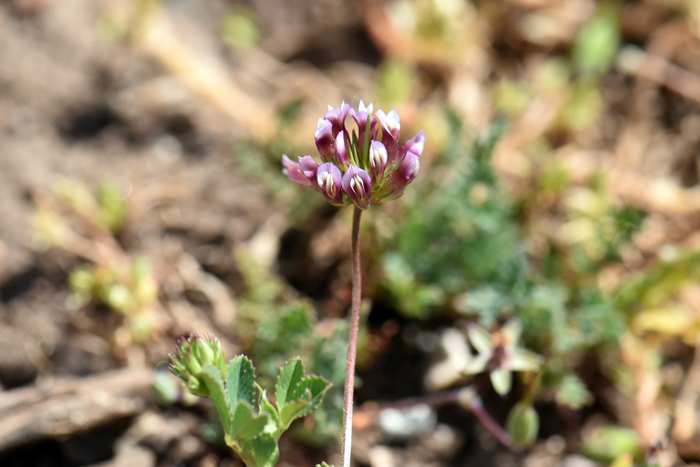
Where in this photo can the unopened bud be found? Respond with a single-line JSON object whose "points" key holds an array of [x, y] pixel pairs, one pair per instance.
{"points": [[523, 423]]}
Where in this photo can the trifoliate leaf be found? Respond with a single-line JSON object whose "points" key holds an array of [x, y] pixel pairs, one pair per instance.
{"points": [[240, 382], [288, 384], [246, 425]]}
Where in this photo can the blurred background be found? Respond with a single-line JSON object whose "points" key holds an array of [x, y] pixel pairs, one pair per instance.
{"points": [[142, 198]]}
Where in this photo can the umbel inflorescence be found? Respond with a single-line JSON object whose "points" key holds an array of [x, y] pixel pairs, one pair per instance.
{"points": [[362, 167]]}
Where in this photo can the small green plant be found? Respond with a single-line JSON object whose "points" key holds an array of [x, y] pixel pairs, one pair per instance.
{"points": [[273, 326], [252, 424], [130, 291], [86, 224]]}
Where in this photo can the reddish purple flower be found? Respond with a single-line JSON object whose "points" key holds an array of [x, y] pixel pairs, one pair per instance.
{"points": [[309, 167], [325, 140], [361, 117], [329, 180], [337, 117], [377, 161], [362, 166], [358, 186], [293, 171]]}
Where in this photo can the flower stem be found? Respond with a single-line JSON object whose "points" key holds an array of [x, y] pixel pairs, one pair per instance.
{"points": [[472, 402], [352, 338]]}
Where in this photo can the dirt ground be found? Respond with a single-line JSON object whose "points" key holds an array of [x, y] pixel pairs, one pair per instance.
{"points": [[78, 101]]}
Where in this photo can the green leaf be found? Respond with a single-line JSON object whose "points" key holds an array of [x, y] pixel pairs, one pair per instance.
{"points": [[323, 464], [246, 425], [573, 393], [289, 381], [240, 383], [297, 395], [259, 452], [215, 385], [313, 390], [293, 410], [266, 407], [316, 387]]}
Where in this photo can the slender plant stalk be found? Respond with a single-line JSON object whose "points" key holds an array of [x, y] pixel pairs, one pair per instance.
{"points": [[352, 338], [455, 395]]}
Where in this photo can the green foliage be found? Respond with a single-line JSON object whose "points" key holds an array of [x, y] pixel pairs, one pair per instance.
{"points": [[598, 42], [106, 210], [456, 233], [608, 443], [572, 393], [523, 423], [462, 247], [252, 424], [130, 292], [112, 206], [395, 82], [276, 326]]}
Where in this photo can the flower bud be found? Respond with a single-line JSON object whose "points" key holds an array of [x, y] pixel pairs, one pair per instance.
{"points": [[358, 186], [399, 179], [377, 159], [324, 139], [414, 145], [341, 153], [361, 118], [390, 133], [309, 168], [293, 171], [337, 118], [329, 180], [523, 423]]}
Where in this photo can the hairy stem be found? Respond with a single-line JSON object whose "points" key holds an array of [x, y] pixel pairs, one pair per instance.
{"points": [[352, 338]]}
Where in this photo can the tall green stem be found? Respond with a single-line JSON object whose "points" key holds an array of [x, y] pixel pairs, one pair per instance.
{"points": [[352, 338]]}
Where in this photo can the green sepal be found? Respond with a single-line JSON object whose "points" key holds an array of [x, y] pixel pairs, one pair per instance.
{"points": [[355, 144], [215, 385], [240, 382], [323, 464]]}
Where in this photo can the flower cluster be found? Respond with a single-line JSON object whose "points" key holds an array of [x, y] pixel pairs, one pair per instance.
{"points": [[360, 167]]}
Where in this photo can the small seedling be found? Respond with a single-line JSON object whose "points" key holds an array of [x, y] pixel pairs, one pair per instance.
{"points": [[252, 424]]}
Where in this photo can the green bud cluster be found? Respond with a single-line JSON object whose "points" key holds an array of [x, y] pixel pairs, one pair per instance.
{"points": [[193, 354]]}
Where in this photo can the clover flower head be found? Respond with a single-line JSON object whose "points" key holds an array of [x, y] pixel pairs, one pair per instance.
{"points": [[499, 354], [363, 166]]}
